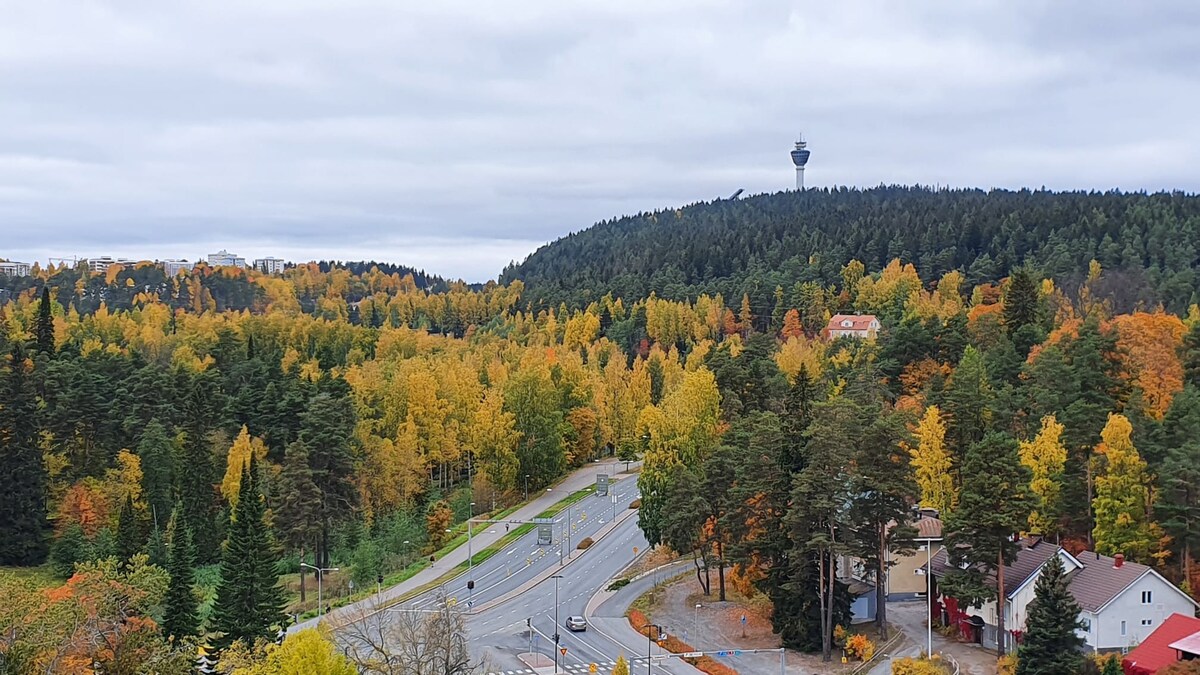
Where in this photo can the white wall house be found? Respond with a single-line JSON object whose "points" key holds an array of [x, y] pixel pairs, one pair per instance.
{"points": [[1121, 602], [860, 326]]}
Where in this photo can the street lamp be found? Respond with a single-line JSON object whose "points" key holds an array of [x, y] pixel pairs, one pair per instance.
{"points": [[556, 577], [696, 622], [662, 635], [320, 578], [526, 487], [929, 597]]}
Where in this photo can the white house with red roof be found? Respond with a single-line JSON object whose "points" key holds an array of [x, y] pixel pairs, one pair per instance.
{"points": [[860, 326]]}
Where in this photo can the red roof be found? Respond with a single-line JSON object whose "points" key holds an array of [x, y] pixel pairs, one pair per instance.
{"points": [[858, 322], [1155, 652]]}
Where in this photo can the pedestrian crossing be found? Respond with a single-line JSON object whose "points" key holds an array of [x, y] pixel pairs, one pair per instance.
{"points": [[601, 667]]}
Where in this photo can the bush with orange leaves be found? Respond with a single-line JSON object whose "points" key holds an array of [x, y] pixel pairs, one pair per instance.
{"points": [[674, 645], [860, 647]]}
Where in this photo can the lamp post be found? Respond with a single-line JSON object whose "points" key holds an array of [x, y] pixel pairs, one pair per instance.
{"points": [[929, 597], [696, 623], [320, 579], [526, 487], [650, 643], [556, 577]]}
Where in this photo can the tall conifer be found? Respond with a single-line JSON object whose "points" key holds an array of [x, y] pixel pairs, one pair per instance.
{"points": [[249, 601], [23, 525], [1052, 644], [180, 607]]}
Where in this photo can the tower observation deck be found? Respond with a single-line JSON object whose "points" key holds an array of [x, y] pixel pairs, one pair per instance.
{"points": [[800, 158]]}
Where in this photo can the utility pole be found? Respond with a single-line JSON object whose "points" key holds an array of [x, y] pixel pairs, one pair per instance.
{"points": [[556, 577]]}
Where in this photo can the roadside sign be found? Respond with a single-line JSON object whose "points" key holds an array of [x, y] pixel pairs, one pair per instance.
{"points": [[692, 655], [563, 650], [635, 550], [601, 484], [592, 668], [545, 531]]}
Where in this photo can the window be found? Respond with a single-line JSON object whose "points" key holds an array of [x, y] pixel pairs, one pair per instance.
{"points": [[1122, 628], [1147, 622], [1147, 597]]}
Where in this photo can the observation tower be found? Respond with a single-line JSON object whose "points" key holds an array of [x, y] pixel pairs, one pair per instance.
{"points": [[800, 158]]}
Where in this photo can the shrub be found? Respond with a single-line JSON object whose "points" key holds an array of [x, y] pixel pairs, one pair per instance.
{"points": [[911, 666], [1006, 665], [636, 504], [618, 584], [860, 647], [587, 541]]}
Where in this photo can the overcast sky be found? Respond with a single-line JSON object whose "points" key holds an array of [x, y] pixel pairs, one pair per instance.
{"points": [[457, 136]]}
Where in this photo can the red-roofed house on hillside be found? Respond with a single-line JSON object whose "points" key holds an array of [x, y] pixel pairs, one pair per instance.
{"points": [[860, 326], [1168, 643]]}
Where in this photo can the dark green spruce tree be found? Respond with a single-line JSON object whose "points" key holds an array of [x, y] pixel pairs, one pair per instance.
{"points": [[993, 505], [129, 535], [1052, 646], [43, 328], [180, 611], [157, 454], [249, 602], [23, 524]]}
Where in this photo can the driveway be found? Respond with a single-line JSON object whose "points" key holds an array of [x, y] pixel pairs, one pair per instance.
{"points": [[909, 617]]}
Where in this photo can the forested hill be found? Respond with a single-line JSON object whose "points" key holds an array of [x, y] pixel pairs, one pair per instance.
{"points": [[1147, 242]]}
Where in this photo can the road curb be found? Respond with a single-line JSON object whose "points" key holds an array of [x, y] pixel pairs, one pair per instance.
{"points": [[546, 574]]}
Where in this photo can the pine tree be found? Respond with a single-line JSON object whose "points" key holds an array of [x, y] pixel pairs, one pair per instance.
{"points": [[328, 428], [994, 505], [1021, 301], [23, 524], [249, 601], [129, 537], [44, 325], [1052, 644], [180, 608], [298, 516], [157, 456]]}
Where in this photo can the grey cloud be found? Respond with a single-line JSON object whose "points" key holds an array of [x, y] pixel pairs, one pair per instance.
{"points": [[456, 136]]}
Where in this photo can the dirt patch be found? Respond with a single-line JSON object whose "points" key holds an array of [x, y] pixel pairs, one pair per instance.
{"points": [[718, 625]]}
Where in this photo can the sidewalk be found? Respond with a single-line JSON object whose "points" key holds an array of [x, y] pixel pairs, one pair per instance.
{"points": [[577, 480], [608, 618]]}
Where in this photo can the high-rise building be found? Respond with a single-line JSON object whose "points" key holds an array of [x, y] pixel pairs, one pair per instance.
{"points": [[102, 263], [173, 266], [269, 265], [800, 158], [224, 258], [12, 268]]}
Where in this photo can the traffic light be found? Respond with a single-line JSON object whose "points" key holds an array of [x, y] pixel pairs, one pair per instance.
{"points": [[379, 579], [471, 585]]}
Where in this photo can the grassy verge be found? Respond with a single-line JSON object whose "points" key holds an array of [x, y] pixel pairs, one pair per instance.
{"points": [[477, 557]]}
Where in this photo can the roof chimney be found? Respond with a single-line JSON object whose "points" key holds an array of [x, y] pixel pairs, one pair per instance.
{"points": [[1118, 561]]}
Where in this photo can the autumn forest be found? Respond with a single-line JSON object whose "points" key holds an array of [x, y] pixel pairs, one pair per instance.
{"points": [[351, 415]]}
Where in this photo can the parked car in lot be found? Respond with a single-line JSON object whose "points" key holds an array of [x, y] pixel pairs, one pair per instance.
{"points": [[576, 623]]}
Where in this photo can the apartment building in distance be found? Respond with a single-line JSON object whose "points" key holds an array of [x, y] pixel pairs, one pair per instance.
{"points": [[224, 258], [12, 268], [173, 266], [101, 264], [269, 265]]}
